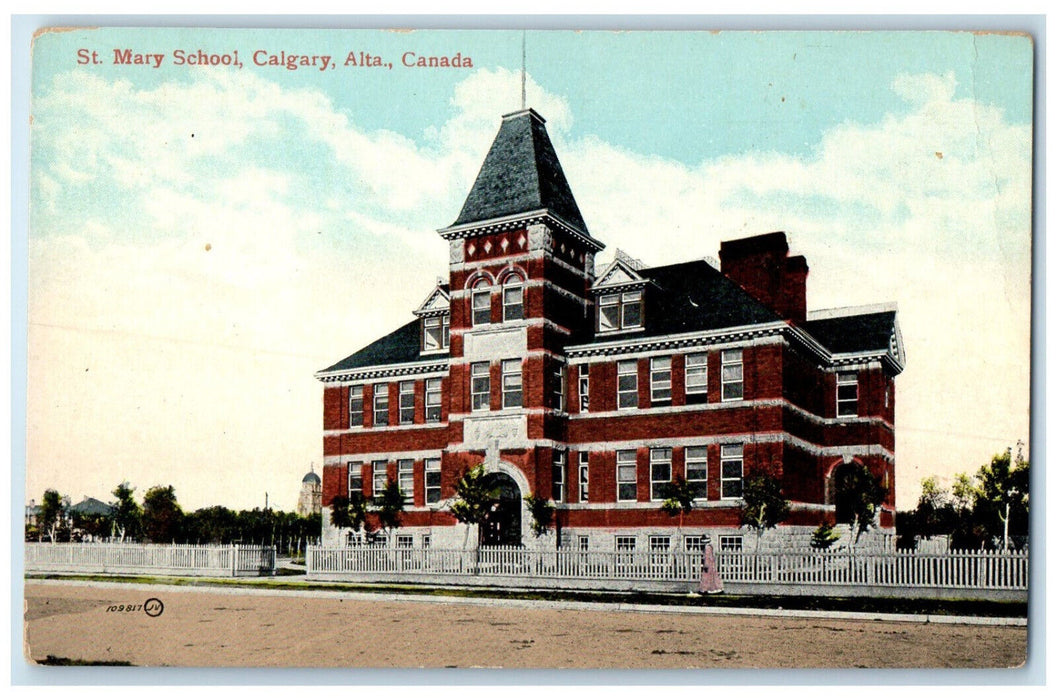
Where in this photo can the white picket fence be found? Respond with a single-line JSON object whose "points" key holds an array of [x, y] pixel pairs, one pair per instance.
{"points": [[975, 570], [115, 558], [508, 561], [954, 570]]}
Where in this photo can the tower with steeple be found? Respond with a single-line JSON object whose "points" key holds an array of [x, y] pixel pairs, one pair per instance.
{"points": [[310, 500]]}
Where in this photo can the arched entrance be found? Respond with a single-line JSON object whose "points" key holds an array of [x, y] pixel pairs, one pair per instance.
{"points": [[502, 526]]}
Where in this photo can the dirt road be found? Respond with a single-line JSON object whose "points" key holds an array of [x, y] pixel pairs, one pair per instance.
{"points": [[210, 628]]}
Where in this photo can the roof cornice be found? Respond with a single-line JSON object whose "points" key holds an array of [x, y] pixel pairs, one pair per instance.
{"points": [[680, 340], [378, 371], [513, 221], [791, 333]]}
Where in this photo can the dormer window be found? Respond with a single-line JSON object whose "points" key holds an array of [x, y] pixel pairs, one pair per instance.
{"points": [[620, 311], [482, 303], [435, 315], [435, 333]]}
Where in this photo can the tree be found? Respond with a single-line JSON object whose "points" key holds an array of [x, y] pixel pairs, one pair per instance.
{"points": [[349, 512], [127, 513], [212, 525], [390, 506], [936, 513], [858, 494], [763, 505], [52, 514], [542, 512], [97, 525], [824, 536], [162, 516], [1000, 497], [679, 501], [474, 499]]}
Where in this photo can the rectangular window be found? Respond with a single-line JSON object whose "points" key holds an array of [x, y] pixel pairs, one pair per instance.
{"points": [[620, 311], [355, 478], [354, 539], [847, 394], [731, 374], [432, 481], [381, 404], [627, 476], [511, 383], [407, 403], [584, 458], [513, 302], [427, 540], [558, 477], [584, 542], [625, 543], [697, 471], [632, 307], [585, 389], [627, 384], [482, 306], [697, 378], [660, 543], [694, 543], [379, 477], [405, 541], [730, 543], [355, 406], [609, 312], [731, 470], [405, 478], [432, 400], [558, 388], [435, 333], [480, 386], [660, 473], [378, 539], [661, 380]]}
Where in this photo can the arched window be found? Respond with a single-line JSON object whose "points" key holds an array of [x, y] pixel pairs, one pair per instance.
{"points": [[513, 297], [481, 302]]}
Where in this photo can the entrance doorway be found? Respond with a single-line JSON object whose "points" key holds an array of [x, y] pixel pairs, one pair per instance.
{"points": [[502, 526]]}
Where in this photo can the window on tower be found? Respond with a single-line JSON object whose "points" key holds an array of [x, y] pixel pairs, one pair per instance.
{"points": [[480, 386], [482, 303], [513, 298]]}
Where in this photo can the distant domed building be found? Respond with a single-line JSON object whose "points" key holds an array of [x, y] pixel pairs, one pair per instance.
{"points": [[310, 502]]}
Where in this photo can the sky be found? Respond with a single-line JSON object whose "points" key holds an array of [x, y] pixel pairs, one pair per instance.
{"points": [[203, 239]]}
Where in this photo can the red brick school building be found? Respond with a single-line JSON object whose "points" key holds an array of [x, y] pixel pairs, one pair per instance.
{"points": [[597, 388]]}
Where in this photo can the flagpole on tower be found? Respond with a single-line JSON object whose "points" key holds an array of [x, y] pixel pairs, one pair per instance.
{"points": [[523, 69]]}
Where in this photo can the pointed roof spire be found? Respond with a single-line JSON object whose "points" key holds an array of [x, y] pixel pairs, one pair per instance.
{"points": [[521, 174]]}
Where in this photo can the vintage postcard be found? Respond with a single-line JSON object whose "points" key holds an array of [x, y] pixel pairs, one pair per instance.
{"points": [[590, 349]]}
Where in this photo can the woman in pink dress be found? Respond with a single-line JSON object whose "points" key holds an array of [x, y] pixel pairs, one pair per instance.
{"points": [[710, 581]]}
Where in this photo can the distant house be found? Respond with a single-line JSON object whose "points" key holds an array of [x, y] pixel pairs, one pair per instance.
{"points": [[596, 389], [85, 518], [91, 506]]}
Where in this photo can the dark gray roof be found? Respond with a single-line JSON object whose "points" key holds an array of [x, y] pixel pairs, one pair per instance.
{"points": [[399, 347], [91, 506], [691, 296], [521, 173], [311, 478], [860, 333]]}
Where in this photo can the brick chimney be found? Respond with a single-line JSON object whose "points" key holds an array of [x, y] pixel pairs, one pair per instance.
{"points": [[762, 267]]}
